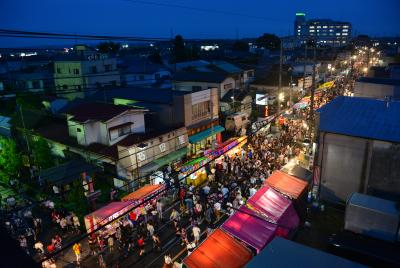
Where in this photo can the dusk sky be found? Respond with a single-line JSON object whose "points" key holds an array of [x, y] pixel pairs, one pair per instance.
{"points": [[207, 19]]}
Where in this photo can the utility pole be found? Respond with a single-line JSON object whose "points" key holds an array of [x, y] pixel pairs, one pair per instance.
{"points": [[280, 77], [305, 65], [313, 90]]}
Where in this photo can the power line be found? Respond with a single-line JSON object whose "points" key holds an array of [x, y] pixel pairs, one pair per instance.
{"points": [[206, 10]]}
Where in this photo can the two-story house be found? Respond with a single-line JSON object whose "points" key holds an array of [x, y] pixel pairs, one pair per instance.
{"points": [[78, 73], [115, 136]]}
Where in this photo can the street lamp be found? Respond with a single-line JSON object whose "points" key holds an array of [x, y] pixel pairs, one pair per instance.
{"points": [[233, 103], [365, 70], [281, 96]]}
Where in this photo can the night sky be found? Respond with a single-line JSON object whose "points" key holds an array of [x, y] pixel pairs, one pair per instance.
{"points": [[215, 19]]}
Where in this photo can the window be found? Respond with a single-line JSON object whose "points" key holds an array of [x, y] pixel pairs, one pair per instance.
{"points": [[113, 83], [76, 71], [141, 77], [228, 86], [36, 84], [58, 70], [108, 67], [93, 69], [157, 76], [65, 87], [201, 110], [78, 129], [124, 130]]}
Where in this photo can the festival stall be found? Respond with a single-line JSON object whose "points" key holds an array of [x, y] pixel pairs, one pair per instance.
{"points": [[291, 187], [196, 170], [107, 216], [219, 250], [231, 147], [276, 208], [254, 230], [142, 196]]}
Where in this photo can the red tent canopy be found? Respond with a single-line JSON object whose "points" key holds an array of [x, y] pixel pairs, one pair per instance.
{"points": [[143, 192], [286, 184], [219, 250]]}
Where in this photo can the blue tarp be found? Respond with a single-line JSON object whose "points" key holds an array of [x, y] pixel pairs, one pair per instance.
{"points": [[285, 253], [362, 117], [206, 133]]}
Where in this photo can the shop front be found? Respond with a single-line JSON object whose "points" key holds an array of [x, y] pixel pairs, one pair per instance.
{"points": [[196, 171], [202, 138], [230, 148], [142, 197], [107, 216]]}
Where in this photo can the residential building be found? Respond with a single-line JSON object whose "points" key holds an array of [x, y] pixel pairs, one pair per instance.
{"points": [[325, 31], [115, 137], [377, 88], [197, 111], [5, 126], [236, 101], [197, 81], [83, 70], [358, 141], [142, 72]]}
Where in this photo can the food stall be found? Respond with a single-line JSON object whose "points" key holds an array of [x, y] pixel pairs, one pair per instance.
{"points": [[254, 231], [143, 195], [196, 169], [276, 208], [292, 187], [106, 214], [219, 250], [231, 147]]}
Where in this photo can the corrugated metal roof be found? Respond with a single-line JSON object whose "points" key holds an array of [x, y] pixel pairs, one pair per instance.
{"points": [[362, 117], [374, 203]]}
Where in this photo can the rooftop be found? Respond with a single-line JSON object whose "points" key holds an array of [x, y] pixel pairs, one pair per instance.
{"points": [[382, 81], [362, 117], [210, 77], [96, 111]]}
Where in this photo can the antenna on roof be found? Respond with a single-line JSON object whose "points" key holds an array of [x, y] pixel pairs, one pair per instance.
{"points": [[388, 99]]}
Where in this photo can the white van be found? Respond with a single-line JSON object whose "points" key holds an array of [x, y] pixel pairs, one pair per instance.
{"points": [[237, 121]]}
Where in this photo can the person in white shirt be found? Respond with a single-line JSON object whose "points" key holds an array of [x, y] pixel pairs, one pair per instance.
{"points": [[196, 234], [39, 247], [252, 191]]}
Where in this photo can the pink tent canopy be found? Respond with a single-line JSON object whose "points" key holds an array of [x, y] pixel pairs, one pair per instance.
{"points": [[275, 207], [252, 230]]}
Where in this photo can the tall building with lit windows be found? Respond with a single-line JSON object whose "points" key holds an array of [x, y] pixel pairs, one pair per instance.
{"points": [[326, 31]]}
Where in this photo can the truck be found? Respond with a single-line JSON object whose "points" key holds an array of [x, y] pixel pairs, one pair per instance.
{"points": [[372, 216], [237, 121]]}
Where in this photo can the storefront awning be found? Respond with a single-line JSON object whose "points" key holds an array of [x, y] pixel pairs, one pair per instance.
{"points": [[162, 161], [143, 192], [206, 133], [286, 184], [219, 250], [165, 160]]}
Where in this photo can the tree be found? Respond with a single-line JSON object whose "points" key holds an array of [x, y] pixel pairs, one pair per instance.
{"points": [[240, 46], [76, 198], [269, 41], [10, 160], [155, 57], [42, 153], [108, 47], [179, 49]]}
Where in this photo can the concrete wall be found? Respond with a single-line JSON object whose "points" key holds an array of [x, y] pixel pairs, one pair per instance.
{"points": [[341, 159], [133, 156], [376, 91]]}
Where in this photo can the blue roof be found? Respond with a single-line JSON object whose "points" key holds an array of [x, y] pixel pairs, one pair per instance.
{"points": [[285, 253], [362, 117], [374, 203], [383, 81]]}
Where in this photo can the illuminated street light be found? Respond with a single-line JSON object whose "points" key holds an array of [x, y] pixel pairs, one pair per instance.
{"points": [[365, 69], [354, 57]]}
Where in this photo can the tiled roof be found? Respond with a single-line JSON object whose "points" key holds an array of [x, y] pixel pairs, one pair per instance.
{"points": [[383, 81], [96, 111]]}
